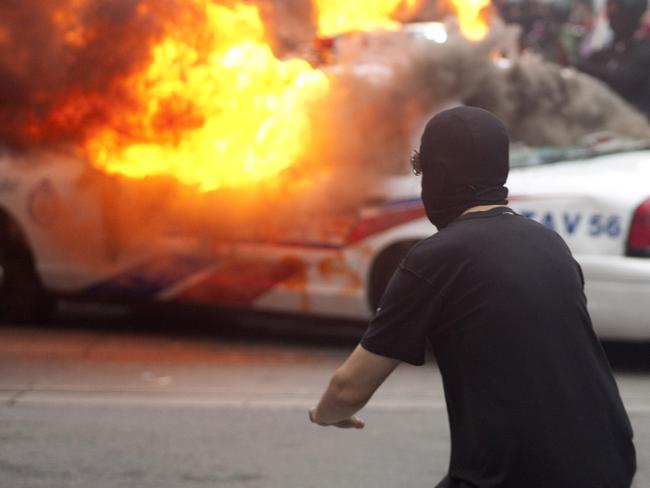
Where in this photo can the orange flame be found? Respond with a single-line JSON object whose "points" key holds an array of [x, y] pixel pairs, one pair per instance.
{"points": [[470, 18], [338, 16], [216, 106]]}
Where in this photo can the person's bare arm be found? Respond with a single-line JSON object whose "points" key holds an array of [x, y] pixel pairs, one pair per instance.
{"points": [[350, 388]]}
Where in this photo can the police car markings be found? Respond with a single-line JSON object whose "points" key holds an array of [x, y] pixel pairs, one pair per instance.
{"points": [[598, 224], [147, 279]]}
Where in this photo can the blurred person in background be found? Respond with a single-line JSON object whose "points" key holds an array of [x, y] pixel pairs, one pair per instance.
{"points": [[577, 34], [554, 30], [547, 30], [531, 399], [625, 64]]}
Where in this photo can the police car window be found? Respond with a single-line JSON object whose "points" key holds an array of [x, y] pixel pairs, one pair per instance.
{"points": [[522, 155]]}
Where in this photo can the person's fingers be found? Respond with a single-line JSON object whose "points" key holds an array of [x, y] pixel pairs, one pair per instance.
{"points": [[356, 422], [351, 423], [343, 424], [311, 413]]}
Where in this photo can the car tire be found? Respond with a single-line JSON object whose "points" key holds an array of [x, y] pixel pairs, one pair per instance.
{"points": [[23, 298], [383, 268]]}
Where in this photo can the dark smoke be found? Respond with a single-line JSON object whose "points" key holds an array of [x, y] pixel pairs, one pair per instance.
{"points": [[547, 105], [374, 120], [69, 53]]}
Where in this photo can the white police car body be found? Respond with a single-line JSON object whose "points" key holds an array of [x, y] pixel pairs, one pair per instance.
{"points": [[598, 200]]}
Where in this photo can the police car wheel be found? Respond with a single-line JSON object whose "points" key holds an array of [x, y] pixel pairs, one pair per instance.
{"points": [[22, 296]]}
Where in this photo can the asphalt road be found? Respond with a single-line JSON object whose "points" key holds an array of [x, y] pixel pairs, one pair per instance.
{"points": [[86, 406]]}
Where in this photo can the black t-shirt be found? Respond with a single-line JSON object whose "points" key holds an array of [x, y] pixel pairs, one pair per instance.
{"points": [[531, 398]]}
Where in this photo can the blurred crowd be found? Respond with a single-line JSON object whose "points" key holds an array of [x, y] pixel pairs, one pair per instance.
{"points": [[608, 39]]}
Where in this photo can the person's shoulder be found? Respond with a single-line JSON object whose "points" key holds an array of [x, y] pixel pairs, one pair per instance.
{"points": [[436, 243], [471, 235], [441, 245], [534, 228], [429, 258], [524, 221], [537, 232]]}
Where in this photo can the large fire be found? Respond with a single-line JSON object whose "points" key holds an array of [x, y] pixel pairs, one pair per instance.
{"points": [[338, 16], [471, 18], [216, 106], [202, 98]]}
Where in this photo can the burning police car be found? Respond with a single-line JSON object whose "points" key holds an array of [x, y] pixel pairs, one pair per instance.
{"points": [[595, 196], [218, 112]]}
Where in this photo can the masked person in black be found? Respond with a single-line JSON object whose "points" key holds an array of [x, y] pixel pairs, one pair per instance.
{"points": [[531, 399], [625, 64]]}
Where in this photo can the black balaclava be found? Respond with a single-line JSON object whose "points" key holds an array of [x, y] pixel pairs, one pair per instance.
{"points": [[465, 157]]}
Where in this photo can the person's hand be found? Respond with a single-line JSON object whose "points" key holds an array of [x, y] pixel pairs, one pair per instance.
{"points": [[353, 422]]}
